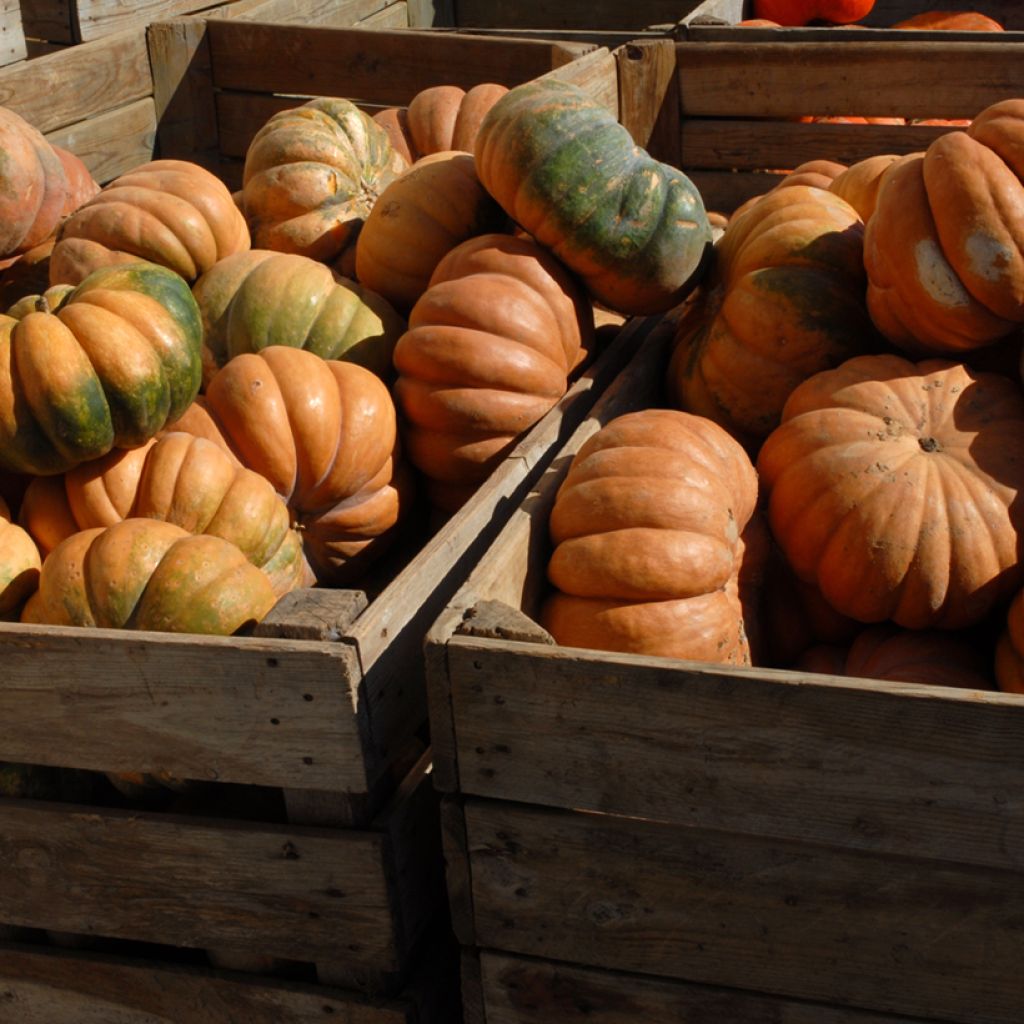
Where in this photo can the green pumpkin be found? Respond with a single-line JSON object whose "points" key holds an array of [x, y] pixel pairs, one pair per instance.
{"points": [[118, 361], [559, 164]]}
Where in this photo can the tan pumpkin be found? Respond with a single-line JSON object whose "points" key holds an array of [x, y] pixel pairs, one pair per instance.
{"points": [[20, 563], [785, 300], [146, 574], [647, 529], [311, 175], [894, 488], [181, 479], [488, 352], [424, 214], [324, 434], [859, 183], [169, 212], [440, 118]]}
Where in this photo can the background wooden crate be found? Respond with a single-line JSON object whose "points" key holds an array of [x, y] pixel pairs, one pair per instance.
{"points": [[725, 111], [645, 838]]}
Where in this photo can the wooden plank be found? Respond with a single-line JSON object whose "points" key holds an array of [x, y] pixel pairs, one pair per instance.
{"points": [[263, 712], [92, 19], [249, 887], [114, 142], [77, 83], [431, 13], [387, 67], [44, 986], [312, 614], [458, 872], [240, 115], [871, 79], [891, 935], [473, 1011], [39, 48], [12, 34], [649, 98], [760, 751], [754, 145], [522, 990], [596, 74], [601, 14], [395, 16], [48, 20], [340, 13], [725, 190]]}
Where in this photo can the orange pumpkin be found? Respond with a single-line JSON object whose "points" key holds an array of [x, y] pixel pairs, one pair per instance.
{"points": [[19, 563], [324, 434], [169, 212], [785, 300], [894, 488], [951, 21], [488, 352], [647, 529], [179, 479], [1009, 664], [802, 12], [145, 574], [859, 183]]}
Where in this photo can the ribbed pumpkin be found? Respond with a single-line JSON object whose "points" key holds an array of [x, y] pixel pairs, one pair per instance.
{"points": [[817, 173], [786, 300], [117, 362], [169, 212], [312, 174], [943, 249], [1009, 664], [894, 487], [424, 214], [440, 118], [146, 574], [260, 298], [859, 183], [488, 352], [324, 433], [928, 657], [19, 563], [563, 168], [647, 531], [951, 21], [179, 479]]}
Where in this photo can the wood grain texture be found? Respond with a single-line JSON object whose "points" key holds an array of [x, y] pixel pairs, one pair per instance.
{"points": [[41, 986], [869, 79], [92, 19], [387, 67], [240, 115], [863, 765], [522, 990], [70, 86], [391, 17], [312, 614], [112, 143], [892, 935], [48, 20], [243, 886], [305, 12], [597, 14], [264, 712], [458, 870], [12, 33], [726, 190], [596, 74], [649, 97]]}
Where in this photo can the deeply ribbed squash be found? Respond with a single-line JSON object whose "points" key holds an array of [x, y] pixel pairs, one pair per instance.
{"points": [[116, 363], [488, 352], [312, 174], [169, 212], [785, 300], [180, 479], [894, 487], [260, 298], [647, 531], [943, 250], [20, 562], [145, 574], [859, 183], [324, 433], [421, 216], [563, 168]]}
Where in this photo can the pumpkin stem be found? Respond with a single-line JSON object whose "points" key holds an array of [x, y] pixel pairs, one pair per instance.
{"points": [[42, 305], [929, 444]]}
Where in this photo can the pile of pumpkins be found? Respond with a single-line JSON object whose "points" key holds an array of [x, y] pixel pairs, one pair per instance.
{"points": [[208, 400]]}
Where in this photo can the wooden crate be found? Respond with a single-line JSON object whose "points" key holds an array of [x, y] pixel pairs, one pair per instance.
{"points": [[731, 96], [636, 838]]}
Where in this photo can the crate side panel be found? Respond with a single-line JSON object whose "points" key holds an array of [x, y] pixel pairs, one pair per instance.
{"points": [[887, 934], [114, 142], [48, 20], [569, 14], [262, 712], [252, 888]]}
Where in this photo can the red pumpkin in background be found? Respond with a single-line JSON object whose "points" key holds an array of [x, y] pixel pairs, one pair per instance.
{"points": [[801, 12]]}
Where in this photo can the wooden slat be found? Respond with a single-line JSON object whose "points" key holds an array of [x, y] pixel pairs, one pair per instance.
{"points": [[649, 97], [893, 935], [77, 83], [264, 712], [48, 20], [41, 986], [753, 145], [724, 191], [386, 67], [522, 990], [12, 34], [869, 79], [394, 16], [596, 74], [340, 13], [112, 143], [245, 886], [240, 115], [93, 19], [599, 14], [865, 765]]}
